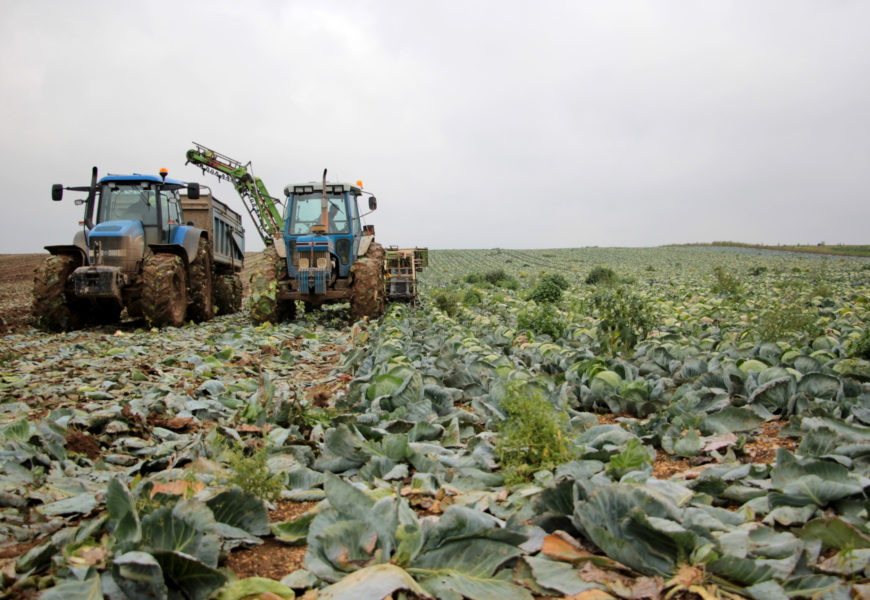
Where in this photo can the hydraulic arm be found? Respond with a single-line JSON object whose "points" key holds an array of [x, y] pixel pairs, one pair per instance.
{"points": [[262, 207]]}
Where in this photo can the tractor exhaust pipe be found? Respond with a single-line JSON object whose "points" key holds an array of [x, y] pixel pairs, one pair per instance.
{"points": [[324, 205], [89, 202]]}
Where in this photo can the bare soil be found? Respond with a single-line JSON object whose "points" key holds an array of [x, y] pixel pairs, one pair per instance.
{"points": [[272, 559], [16, 281]]}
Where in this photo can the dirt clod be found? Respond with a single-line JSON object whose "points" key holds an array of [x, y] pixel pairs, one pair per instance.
{"points": [[83, 443]]}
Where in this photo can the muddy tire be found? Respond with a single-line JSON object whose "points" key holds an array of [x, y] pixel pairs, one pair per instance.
{"points": [[263, 305], [367, 291], [201, 283], [227, 294], [164, 290], [51, 307]]}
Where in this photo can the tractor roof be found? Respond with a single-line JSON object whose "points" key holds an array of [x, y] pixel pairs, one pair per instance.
{"points": [[309, 187], [137, 177]]}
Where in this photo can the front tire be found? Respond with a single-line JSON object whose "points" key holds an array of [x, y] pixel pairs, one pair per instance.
{"points": [[201, 283], [164, 290], [367, 291], [51, 306], [228, 293], [263, 303]]}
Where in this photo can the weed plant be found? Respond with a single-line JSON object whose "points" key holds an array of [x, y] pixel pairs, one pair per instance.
{"points": [[624, 318], [447, 301], [789, 316], [495, 277], [861, 347], [542, 319], [533, 435], [725, 283], [601, 276], [252, 475], [546, 292], [472, 297]]}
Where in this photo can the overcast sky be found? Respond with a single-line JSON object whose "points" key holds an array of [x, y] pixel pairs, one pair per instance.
{"points": [[476, 124]]}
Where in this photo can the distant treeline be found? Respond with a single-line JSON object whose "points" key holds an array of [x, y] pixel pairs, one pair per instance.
{"points": [[822, 248]]}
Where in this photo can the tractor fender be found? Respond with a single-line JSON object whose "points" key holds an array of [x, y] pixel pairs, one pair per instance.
{"points": [[79, 252], [188, 238], [171, 249]]}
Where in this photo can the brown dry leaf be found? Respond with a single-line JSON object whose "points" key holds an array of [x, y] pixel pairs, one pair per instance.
{"points": [[247, 428], [705, 592], [177, 488], [7, 568], [593, 594], [720, 441], [687, 576], [561, 546], [92, 556], [174, 423], [623, 585]]}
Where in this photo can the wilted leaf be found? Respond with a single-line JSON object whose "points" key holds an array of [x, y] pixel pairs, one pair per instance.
{"points": [[556, 575], [75, 590], [372, 583], [294, 532], [258, 587]]}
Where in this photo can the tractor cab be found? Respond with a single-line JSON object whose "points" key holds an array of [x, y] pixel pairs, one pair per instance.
{"points": [[139, 201]]}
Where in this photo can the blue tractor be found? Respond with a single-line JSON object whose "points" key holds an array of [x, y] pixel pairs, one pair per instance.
{"points": [[136, 251], [317, 249]]}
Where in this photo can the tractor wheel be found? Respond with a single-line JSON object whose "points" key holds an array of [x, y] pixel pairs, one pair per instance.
{"points": [[51, 307], [201, 283], [367, 291], [263, 303], [237, 293], [227, 293], [164, 290]]}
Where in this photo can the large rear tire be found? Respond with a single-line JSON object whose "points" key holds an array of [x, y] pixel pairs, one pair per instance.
{"points": [[367, 291], [164, 290], [201, 283], [51, 306], [263, 304]]}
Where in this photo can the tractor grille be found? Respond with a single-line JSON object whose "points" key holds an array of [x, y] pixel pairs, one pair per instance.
{"points": [[305, 259], [112, 251]]}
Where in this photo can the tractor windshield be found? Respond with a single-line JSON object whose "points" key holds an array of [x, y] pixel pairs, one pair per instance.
{"points": [[134, 201], [307, 211]]}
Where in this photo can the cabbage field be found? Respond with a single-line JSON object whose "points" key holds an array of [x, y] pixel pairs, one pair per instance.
{"points": [[678, 422]]}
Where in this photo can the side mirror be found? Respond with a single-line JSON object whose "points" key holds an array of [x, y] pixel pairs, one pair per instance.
{"points": [[193, 191], [373, 203], [57, 192]]}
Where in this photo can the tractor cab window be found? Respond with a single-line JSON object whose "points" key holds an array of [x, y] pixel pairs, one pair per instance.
{"points": [[169, 209], [127, 202], [307, 212], [354, 214]]}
